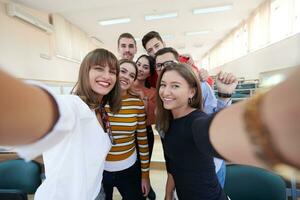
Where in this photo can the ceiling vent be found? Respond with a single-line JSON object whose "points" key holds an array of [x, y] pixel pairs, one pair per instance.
{"points": [[14, 11]]}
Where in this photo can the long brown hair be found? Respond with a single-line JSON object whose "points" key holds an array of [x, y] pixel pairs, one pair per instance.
{"points": [[83, 88], [163, 116]]}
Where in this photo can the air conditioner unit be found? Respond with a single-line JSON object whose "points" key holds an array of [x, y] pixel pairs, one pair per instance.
{"points": [[14, 11]]}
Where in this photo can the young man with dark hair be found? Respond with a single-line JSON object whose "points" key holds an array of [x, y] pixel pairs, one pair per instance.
{"points": [[126, 46], [153, 42]]}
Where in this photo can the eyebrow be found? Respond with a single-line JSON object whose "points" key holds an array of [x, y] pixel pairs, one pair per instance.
{"points": [[172, 82], [123, 68]]}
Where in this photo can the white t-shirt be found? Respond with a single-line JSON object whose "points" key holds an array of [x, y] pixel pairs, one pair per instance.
{"points": [[74, 153]]}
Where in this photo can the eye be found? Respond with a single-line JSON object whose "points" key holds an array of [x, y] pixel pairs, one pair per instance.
{"points": [[175, 86], [132, 76], [146, 67], [113, 72], [98, 68], [162, 85]]}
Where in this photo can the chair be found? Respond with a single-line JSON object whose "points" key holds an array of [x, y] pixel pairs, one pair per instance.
{"points": [[248, 183], [18, 178]]}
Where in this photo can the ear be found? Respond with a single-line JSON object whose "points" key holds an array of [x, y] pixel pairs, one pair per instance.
{"points": [[135, 47], [192, 92]]}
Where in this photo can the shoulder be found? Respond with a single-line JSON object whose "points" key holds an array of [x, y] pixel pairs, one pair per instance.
{"points": [[202, 121], [73, 102]]}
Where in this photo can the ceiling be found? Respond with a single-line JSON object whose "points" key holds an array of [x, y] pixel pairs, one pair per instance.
{"points": [[86, 13]]}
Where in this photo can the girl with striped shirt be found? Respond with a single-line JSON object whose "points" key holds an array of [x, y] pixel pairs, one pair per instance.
{"points": [[121, 167]]}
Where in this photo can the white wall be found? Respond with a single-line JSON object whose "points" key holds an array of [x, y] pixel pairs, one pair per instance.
{"points": [[283, 54], [21, 46]]}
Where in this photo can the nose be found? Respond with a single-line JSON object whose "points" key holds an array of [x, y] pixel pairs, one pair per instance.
{"points": [[106, 74], [166, 91]]}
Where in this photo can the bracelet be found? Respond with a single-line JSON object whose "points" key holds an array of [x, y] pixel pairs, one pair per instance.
{"points": [[224, 95], [261, 139]]}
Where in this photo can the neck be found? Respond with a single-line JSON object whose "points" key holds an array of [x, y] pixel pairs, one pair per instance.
{"points": [[123, 92], [100, 98], [181, 112], [139, 83]]}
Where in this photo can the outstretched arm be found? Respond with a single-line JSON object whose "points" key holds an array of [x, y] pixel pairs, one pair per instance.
{"points": [[27, 112], [279, 112]]}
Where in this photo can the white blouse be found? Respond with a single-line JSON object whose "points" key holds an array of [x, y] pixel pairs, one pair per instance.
{"points": [[74, 153]]}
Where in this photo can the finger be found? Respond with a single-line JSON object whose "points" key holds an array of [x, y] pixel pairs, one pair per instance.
{"points": [[228, 77], [232, 79], [225, 78], [220, 75]]}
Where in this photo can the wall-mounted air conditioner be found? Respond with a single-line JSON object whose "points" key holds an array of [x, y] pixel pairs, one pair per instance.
{"points": [[14, 11]]}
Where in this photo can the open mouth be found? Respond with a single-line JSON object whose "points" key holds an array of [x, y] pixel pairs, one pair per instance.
{"points": [[124, 82], [103, 83]]}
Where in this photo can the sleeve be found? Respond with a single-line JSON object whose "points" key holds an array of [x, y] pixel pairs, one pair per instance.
{"points": [[151, 106], [200, 131], [166, 157], [210, 103], [62, 127], [142, 141]]}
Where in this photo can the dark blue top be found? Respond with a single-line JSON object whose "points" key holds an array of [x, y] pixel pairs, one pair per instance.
{"points": [[189, 156]]}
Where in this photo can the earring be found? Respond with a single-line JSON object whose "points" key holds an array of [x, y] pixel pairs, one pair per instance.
{"points": [[189, 101]]}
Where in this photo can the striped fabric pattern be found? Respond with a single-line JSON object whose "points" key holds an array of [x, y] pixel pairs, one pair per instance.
{"points": [[130, 120]]}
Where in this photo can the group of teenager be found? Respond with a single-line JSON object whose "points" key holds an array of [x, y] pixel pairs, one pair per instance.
{"points": [[101, 136]]}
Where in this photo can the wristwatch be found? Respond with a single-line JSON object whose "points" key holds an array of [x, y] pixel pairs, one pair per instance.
{"points": [[224, 95]]}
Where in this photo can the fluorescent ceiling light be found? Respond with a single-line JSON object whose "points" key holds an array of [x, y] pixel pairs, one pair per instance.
{"points": [[168, 37], [114, 21], [161, 16], [198, 45], [212, 9], [181, 47], [197, 33]]}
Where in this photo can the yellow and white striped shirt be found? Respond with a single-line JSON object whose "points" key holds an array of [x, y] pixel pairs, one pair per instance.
{"points": [[130, 120]]}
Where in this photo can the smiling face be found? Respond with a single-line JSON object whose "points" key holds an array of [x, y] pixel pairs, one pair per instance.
{"points": [[143, 66], [174, 91], [161, 60], [102, 79], [127, 75]]}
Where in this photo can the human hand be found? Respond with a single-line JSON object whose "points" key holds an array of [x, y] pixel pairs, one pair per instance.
{"points": [[226, 82], [145, 182]]}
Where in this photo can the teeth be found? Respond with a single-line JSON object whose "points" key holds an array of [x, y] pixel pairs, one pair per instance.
{"points": [[124, 82], [166, 99]]}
